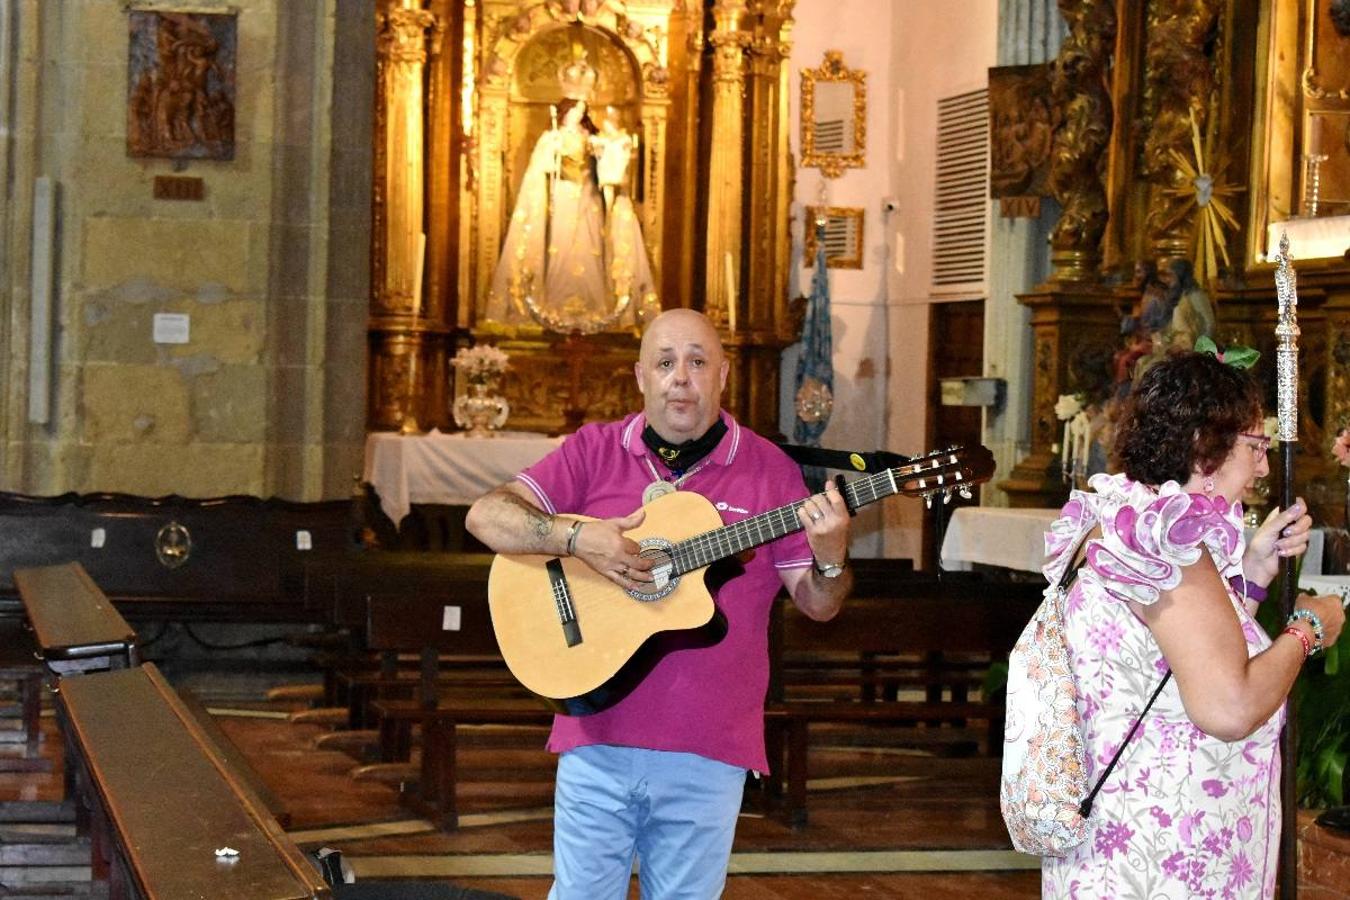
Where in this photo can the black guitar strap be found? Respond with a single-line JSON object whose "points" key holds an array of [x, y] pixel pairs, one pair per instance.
{"points": [[849, 460]]}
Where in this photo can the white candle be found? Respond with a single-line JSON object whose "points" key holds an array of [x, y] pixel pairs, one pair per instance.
{"points": [[731, 293], [419, 264], [1066, 448], [1085, 427]]}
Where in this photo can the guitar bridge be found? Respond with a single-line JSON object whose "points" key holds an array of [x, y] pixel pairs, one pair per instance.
{"points": [[562, 599]]}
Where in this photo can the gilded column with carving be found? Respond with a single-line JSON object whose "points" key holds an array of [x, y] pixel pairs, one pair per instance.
{"points": [[1180, 82], [407, 347], [1079, 78], [1072, 309], [768, 244], [761, 325], [726, 164]]}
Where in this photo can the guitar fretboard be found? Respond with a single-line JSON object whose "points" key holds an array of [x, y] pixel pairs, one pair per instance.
{"points": [[707, 548]]}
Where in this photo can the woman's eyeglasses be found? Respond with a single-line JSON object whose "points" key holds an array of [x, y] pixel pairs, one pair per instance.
{"points": [[1259, 444]]}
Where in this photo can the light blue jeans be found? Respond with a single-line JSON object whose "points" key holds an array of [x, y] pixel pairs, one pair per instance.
{"points": [[675, 811]]}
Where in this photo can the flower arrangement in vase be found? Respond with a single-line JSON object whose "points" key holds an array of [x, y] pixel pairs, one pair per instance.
{"points": [[481, 409], [1340, 448]]}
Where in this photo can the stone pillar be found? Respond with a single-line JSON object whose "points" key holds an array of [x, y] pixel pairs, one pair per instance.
{"points": [[407, 345]]}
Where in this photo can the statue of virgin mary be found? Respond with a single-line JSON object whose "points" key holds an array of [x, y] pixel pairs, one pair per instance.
{"points": [[569, 262]]}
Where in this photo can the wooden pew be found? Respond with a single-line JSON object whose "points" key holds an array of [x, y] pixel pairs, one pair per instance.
{"points": [[888, 637], [21, 665], [480, 692], [75, 626], [219, 559], [159, 799], [355, 672]]}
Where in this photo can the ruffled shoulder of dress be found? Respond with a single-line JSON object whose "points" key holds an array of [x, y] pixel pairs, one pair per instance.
{"points": [[1147, 536]]}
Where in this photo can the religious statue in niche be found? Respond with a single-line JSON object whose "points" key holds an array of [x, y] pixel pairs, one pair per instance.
{"points": [[181, 85], [1174, 312], [574, 259]]}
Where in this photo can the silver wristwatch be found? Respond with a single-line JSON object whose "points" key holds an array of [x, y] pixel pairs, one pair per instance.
{"points": [[829, 570]]}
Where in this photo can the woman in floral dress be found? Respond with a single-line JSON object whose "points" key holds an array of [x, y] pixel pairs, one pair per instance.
{"points": [[1192, 808]]}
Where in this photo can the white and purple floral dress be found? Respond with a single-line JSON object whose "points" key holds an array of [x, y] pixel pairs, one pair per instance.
{"points": [[1183, 814]]}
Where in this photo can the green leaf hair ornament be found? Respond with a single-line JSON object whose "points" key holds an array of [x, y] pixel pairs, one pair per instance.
{"points": [[1235, 355]]}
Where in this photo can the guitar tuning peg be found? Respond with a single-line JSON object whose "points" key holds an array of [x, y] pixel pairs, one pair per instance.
{"points": [[928, 500], [946, 496], [965, 493]]}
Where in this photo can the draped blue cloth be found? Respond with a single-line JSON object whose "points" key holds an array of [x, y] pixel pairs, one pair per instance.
{"points": [[816, 361]]}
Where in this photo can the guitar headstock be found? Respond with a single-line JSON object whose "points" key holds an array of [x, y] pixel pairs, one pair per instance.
{"points": [[945, 472]]}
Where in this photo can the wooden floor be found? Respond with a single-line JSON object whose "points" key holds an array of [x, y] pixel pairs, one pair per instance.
{"points": [[892, 815]]}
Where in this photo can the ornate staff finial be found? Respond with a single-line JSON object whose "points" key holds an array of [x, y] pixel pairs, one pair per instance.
{"points": [[1286, 332]]}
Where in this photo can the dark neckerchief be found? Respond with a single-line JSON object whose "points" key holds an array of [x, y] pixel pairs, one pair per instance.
{"points": [[679, 457]]}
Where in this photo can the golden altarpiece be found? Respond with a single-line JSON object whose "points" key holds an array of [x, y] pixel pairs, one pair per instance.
{"points": [[487, 115], [1171, 113]]}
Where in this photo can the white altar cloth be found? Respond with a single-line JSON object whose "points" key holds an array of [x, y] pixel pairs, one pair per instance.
{"points": [[448, 469], [1015, 539], [1326, 584]]}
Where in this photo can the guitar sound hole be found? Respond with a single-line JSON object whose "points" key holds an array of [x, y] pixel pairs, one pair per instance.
{"points": [[658, 552]]}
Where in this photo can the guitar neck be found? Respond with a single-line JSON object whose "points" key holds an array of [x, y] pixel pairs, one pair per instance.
{"points": [[707, 548]]}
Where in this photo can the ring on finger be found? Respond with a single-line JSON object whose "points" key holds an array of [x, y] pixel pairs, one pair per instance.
{"points": [[624, 571], [815, 516]]}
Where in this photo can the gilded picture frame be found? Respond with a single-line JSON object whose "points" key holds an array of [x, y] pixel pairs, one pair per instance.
{"points": [[843, 237], [834, 116]]}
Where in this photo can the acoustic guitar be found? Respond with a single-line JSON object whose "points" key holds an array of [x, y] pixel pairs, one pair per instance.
{"points": [[573, 637]]}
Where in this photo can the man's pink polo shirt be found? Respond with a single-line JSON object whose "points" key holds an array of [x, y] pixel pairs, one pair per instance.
{"points": [[705, 700]]}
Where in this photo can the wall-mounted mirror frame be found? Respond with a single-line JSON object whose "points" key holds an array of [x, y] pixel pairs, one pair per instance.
{"points": [[834, 116], [843, 237]]}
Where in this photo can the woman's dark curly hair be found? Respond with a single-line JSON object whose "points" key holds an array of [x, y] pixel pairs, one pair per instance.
{"points": [[1185, 412]]}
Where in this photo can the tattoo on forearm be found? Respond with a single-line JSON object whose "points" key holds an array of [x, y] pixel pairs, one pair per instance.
{"points": [[540, 523]]}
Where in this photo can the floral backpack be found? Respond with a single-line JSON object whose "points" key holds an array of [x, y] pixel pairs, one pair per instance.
{"points": [[1044, 792]]}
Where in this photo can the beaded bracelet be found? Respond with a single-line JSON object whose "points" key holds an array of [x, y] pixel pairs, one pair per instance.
{"points": [[1311, 618], [572, 532], [1302, 639], [1250, 590]]}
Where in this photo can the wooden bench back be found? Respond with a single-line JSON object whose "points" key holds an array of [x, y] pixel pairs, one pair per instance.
{"points": [[170, 799], [71, 618], [917, 624], [341, 588], [921, 616], [448, 621], [243, 557]]}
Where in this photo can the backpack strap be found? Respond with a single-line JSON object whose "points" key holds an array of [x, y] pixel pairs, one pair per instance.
{"points": [[1085, 808]]}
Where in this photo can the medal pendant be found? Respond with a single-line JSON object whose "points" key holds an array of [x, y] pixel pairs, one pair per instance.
{"points": [[656, 489]]}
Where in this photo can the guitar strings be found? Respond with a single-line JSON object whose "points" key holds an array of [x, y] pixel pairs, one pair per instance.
{"points": [[704, 549]]}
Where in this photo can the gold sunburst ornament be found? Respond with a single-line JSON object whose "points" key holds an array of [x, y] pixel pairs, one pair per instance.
{"points": [[1213, 213]]}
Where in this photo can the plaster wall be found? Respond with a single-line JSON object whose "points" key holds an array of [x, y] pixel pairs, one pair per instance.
{"points": [[939, 49], [915, 52], [244, 406], [862, 31]]}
